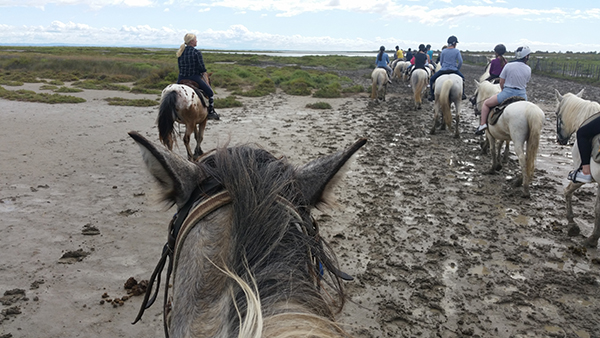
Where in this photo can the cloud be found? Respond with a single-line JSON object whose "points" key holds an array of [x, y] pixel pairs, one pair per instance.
{"points": [[94, 4], [236, 37]]}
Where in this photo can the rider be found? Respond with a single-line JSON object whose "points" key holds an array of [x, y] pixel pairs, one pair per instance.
{"points": [[497, 64], [382, 62], [420, 60], [399, 54], [451, 61], [409, 54], [585, 134], [513, 81], [191, 67], [429, 53]]}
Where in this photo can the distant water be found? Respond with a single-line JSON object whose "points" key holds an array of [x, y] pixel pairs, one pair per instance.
{"points": [[298, 53]]}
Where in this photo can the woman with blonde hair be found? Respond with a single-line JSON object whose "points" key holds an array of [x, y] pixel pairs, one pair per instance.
{"points": [[191, 67]]}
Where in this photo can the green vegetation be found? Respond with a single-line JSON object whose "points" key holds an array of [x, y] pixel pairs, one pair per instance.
{"points": [[319, 105], [64, 89], [228, 102], [354, 89], [149, 71], [119, 101], [31, 96]]}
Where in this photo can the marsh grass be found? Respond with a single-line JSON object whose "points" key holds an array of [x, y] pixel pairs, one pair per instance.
{"points": [[99, 85], [228, 102], [319, 105], [31, 96], [119, 101], [64, 89], [48, 87], [151, 70]]}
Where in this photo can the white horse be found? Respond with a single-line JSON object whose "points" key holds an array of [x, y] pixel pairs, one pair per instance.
{"points": [[448, 90], [482, 92], [486, 73], [418, 81], [521, 122], [400, 69], [379, 83], [571, 112]]}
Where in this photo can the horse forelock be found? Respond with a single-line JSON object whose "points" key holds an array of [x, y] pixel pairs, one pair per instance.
{"points": [[572, 111], [271, 251]]}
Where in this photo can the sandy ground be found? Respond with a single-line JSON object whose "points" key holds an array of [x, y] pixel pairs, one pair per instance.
{"points": [[438, 249]]}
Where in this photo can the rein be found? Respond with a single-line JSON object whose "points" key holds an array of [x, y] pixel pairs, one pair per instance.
{"points": [[209, 196]]}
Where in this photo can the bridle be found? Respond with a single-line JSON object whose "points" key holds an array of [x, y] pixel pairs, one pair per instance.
{"points": [[206, 198]]}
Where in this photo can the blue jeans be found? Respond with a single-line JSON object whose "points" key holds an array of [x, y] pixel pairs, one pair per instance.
{"points": [[509, 92]]}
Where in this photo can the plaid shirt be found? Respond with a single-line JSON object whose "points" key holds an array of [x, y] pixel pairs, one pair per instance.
{"points": [[191, 62]]}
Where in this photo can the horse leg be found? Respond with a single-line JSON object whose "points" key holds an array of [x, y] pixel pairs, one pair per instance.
{"points": [[189, 129], [436, 111], [526, 176], [457, 108], [569, 191], [492, 143], [199, 134], [592, 241], [506, 152]]}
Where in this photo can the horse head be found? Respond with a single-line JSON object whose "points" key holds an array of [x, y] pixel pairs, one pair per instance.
{"points": [[247, 257], [568, 119]]}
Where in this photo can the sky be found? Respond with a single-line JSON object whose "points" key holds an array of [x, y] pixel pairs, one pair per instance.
{"points": [[305, 25]]}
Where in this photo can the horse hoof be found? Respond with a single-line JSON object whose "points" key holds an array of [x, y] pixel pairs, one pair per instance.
{"points": [[573, 231]]}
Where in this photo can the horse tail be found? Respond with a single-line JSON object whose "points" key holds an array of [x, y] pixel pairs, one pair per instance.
{"points": [[166, 119], [445, 102], [374, 87], [421, 81], [535, 122]]}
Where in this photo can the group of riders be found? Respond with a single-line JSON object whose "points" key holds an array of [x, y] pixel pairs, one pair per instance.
{"points": [[512, 76]]}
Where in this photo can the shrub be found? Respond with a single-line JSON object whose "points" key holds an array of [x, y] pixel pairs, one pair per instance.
{"points": [[64, 89], [228, 102], [319, 105], [354, 89], [297, 87], [331, 91]]}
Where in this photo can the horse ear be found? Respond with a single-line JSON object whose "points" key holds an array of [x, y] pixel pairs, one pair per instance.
{"points": [[476, 83], [317, 178], [176, 176], [580, 93], [558, 96]]}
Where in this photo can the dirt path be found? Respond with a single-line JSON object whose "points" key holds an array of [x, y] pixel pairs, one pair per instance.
{"points": [[438, 249]]}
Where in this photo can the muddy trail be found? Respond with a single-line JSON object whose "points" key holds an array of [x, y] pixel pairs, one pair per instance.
{"points": [[441, 249]]}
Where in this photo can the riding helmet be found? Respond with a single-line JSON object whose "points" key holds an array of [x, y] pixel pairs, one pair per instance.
{"points": [[452, 40], [422, 47], [522, 52], [500, 49], [382, 48]]}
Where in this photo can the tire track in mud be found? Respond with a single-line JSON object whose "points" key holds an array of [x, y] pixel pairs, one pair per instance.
{"points": [[448, 251]]}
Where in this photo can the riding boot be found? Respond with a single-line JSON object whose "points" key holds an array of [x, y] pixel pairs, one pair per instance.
{"points": [[212, 114]]}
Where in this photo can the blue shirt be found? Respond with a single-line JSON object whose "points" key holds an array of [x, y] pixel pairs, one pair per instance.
{"points": [[190, 62], [450, 59], [385, 59]]}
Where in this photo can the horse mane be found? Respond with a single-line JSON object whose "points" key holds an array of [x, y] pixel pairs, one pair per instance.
{"points": [[275, 273], [575, 110], [485, 90]]}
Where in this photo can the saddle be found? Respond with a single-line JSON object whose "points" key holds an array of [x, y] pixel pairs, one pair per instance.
{"points": [[194, 85], [499, 109]]}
